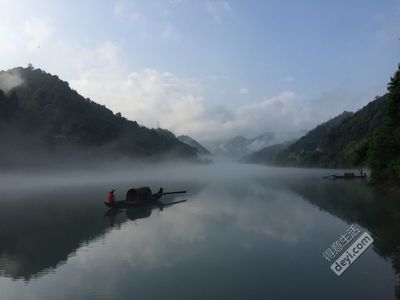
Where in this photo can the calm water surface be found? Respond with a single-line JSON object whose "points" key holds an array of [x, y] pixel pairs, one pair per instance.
{"points": [[244, 232]]}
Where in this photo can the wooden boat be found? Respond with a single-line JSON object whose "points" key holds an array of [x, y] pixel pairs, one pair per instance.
{"points": [[139, 197], [349, 175]]}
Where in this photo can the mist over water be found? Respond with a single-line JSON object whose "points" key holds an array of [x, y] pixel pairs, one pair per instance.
{"points": [[219, 171], [243, 231], [139, 152]]}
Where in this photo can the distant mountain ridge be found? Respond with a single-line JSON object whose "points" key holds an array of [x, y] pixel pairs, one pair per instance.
{"points": [[43, 115], [339, 142], [267, 155], [240, 146], [367, 138], [200, 149]]}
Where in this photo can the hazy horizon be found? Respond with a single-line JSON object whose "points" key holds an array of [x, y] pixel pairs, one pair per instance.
{"points": [[211, 69], [288, 170]]}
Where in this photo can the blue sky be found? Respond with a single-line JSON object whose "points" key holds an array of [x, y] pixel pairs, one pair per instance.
{"points": [[211, 68]]}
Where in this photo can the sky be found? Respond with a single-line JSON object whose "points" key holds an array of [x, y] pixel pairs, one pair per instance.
{"points": [[211, 69]]}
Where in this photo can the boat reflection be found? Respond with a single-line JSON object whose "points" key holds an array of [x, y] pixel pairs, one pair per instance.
{"points": [[139, 212], [41, 231]]}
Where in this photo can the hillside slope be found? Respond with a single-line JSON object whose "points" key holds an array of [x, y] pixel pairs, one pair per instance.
{"points": [[384, 145], [42, 115], [200, 149], [240, 146], [340, 142], [267, 155]]}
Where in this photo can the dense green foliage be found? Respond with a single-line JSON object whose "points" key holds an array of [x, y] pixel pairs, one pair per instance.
{"points": [[44, 115], [340, 142], [343, 141], [316, 147], [384, 151], [368, 138]]}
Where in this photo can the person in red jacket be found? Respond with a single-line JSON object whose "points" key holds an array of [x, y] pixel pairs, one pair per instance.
{"points": [[111, 197]]}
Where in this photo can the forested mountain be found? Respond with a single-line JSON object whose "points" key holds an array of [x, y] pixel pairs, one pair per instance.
{"points": [[267, 155], [233, 148], [368, 138], [200, 149], [240, 146], [339, 142], [41, 115], [384, 146]]}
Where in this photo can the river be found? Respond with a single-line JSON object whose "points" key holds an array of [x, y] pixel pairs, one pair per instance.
{"points": [[245, 232]]}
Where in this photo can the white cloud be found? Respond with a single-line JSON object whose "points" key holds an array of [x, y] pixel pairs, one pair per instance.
{"points": [[26, 38], [103, 59], [9, 41], [283, 112], [37, 32], [150, 97], [147, 96], [217, 9], [243, 91]]}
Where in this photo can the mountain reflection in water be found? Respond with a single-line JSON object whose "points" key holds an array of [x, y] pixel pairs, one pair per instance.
{"points": [[38, 231], [236, 238]]}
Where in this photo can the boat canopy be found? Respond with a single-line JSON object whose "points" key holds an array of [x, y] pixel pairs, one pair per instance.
{"points": [[139, 194]]}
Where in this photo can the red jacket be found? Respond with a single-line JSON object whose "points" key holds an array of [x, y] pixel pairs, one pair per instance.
{"points": [[111, 197]]}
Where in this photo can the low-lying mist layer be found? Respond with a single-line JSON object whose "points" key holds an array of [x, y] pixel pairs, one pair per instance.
{"points": [[138, 173]]}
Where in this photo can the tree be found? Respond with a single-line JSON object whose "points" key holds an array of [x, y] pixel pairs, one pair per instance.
{"points": [[394, 90], [384, 150]]}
